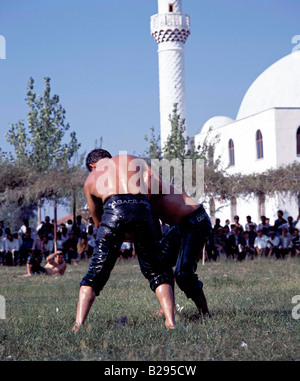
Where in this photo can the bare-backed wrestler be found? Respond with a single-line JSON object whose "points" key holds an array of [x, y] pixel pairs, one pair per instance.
{"points": [[119, 205], [182, 246]]}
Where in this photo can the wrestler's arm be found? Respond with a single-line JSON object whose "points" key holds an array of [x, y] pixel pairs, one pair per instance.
{"points": [[95, 205]]}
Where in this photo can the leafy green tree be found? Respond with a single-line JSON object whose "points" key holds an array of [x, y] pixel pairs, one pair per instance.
{"points": [[40, 145]]}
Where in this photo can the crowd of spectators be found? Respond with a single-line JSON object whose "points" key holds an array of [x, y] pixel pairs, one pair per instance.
{"points": [[75, 240], [255, 240]]}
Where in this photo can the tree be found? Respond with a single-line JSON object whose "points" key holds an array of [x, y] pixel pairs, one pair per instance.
{"points": [[40, 146]]}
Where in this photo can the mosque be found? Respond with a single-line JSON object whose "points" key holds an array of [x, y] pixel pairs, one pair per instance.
{"points": [[265, 133]]}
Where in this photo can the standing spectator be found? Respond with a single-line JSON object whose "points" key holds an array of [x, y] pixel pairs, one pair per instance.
{"points": [[3, 228], [47, 247], [237, 223], [126, 248], [25, 227], [264, 225], [280, 221], [285, 243], [260, 243], [64, 234], [217, 226], [69, 225], [12, 250], [2, 248], [252, 235], [296, 243], [291, 224], [70, 248], [47, 227], [273, 244], [249, 222], [80, 225]]}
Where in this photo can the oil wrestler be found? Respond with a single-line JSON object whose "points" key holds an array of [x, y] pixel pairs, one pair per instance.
{"points": [[118, 206]]}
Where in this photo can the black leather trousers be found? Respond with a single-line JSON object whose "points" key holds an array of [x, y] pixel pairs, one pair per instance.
{"points": [[127, 214], [182, 247]]}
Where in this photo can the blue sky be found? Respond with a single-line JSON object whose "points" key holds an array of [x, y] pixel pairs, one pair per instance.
{"points": [[103, 62]]}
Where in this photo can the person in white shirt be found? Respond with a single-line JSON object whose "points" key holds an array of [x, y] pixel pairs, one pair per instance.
{"points": [[260, 243], [273, 244], [23, 229], [12, 248]]}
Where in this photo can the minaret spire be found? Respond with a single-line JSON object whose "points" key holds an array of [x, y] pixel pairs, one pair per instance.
{"points": [[170, 28]]}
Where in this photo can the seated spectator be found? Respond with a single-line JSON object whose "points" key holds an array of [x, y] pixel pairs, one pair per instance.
{"points": [[260, 243], [126, 248], [55, 265], [273, 244], [82, 249], [59, 242], [164, 228], [70, 248], [286, 243], [249, 245], [91, 244], [37, 246], [26, 246], [249, 222], [236, 243], [12, 250], [296, 243], [220, 242], [2, 248], [264, 225]]}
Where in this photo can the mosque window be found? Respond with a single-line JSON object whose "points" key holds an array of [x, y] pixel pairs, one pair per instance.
{"points": [[259, 145], [298, 141], [171, 7], [231, 152]]}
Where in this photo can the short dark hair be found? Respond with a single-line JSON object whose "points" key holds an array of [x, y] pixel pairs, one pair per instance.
{"points": [[96, 155]]}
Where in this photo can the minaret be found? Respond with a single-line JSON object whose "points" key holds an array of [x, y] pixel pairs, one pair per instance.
{"points": [[170, 28]]}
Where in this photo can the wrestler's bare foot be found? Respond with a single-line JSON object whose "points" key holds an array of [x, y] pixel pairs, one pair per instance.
{"points": [[76, 327]]}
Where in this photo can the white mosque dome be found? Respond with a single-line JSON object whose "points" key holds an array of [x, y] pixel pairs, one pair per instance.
{"points": [[215, 122], [278, 86]]}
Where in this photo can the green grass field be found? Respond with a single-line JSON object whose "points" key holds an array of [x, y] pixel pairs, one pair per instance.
{"points": [[251, 303]]}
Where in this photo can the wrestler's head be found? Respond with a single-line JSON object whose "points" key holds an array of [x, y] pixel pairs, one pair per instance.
{"points": [[94, 156]]}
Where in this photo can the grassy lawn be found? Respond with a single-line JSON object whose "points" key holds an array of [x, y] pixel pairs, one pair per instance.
{"points": [[251, 303]]}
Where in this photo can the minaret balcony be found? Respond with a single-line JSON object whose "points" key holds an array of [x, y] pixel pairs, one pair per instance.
{"points": [[170, 20]]}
